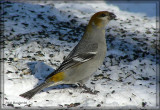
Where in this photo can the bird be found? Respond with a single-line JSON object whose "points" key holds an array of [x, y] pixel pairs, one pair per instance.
{"points": [[86, 57]]}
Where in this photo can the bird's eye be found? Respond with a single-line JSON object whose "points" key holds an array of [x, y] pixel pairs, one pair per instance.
{"points": [[103, 15]]}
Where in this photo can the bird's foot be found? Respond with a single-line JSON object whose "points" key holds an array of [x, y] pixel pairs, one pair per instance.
{"points": [[87, 89]]}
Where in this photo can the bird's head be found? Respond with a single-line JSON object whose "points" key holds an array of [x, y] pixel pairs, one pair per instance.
{"points": [[101, 19]]}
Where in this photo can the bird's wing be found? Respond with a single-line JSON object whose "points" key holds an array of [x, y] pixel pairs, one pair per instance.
{"points": [[83, 48], [80, 56], [77, 57]]}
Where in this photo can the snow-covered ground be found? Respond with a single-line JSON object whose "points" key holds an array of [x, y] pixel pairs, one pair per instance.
{"points": [[147, 7], [38, 35]]}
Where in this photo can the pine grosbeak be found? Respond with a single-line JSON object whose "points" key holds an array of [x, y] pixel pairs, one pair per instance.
{"points": [[84, 59]]}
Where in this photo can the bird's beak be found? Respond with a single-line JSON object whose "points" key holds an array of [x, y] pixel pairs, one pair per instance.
{"points": [[112, 16]]}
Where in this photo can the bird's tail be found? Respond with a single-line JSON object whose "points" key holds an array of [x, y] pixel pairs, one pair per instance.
{"points": [[29, 94]]}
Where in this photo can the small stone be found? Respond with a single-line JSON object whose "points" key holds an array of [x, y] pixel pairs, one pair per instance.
{"points": [[51, 55], [148, 32], [99, 105], [100, 76], [92, 83], [9, 72], [144, 104], [130, 99], [10, 59], [70, 93], [113, 91], [26, 71], [11, 105], [145, 78], [15, 59]]}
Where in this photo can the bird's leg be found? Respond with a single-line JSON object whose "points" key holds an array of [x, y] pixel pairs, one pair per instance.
{"points": [[87, 89]]}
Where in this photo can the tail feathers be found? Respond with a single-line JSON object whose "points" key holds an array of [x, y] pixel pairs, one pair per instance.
{"points": [[29, 94]]}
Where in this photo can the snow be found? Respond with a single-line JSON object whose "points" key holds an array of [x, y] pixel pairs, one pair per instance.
{"points": [[39, 35], [130, 7]]}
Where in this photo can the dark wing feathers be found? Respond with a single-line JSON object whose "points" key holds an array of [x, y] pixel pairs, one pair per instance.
{"points": [[77, 57]]}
